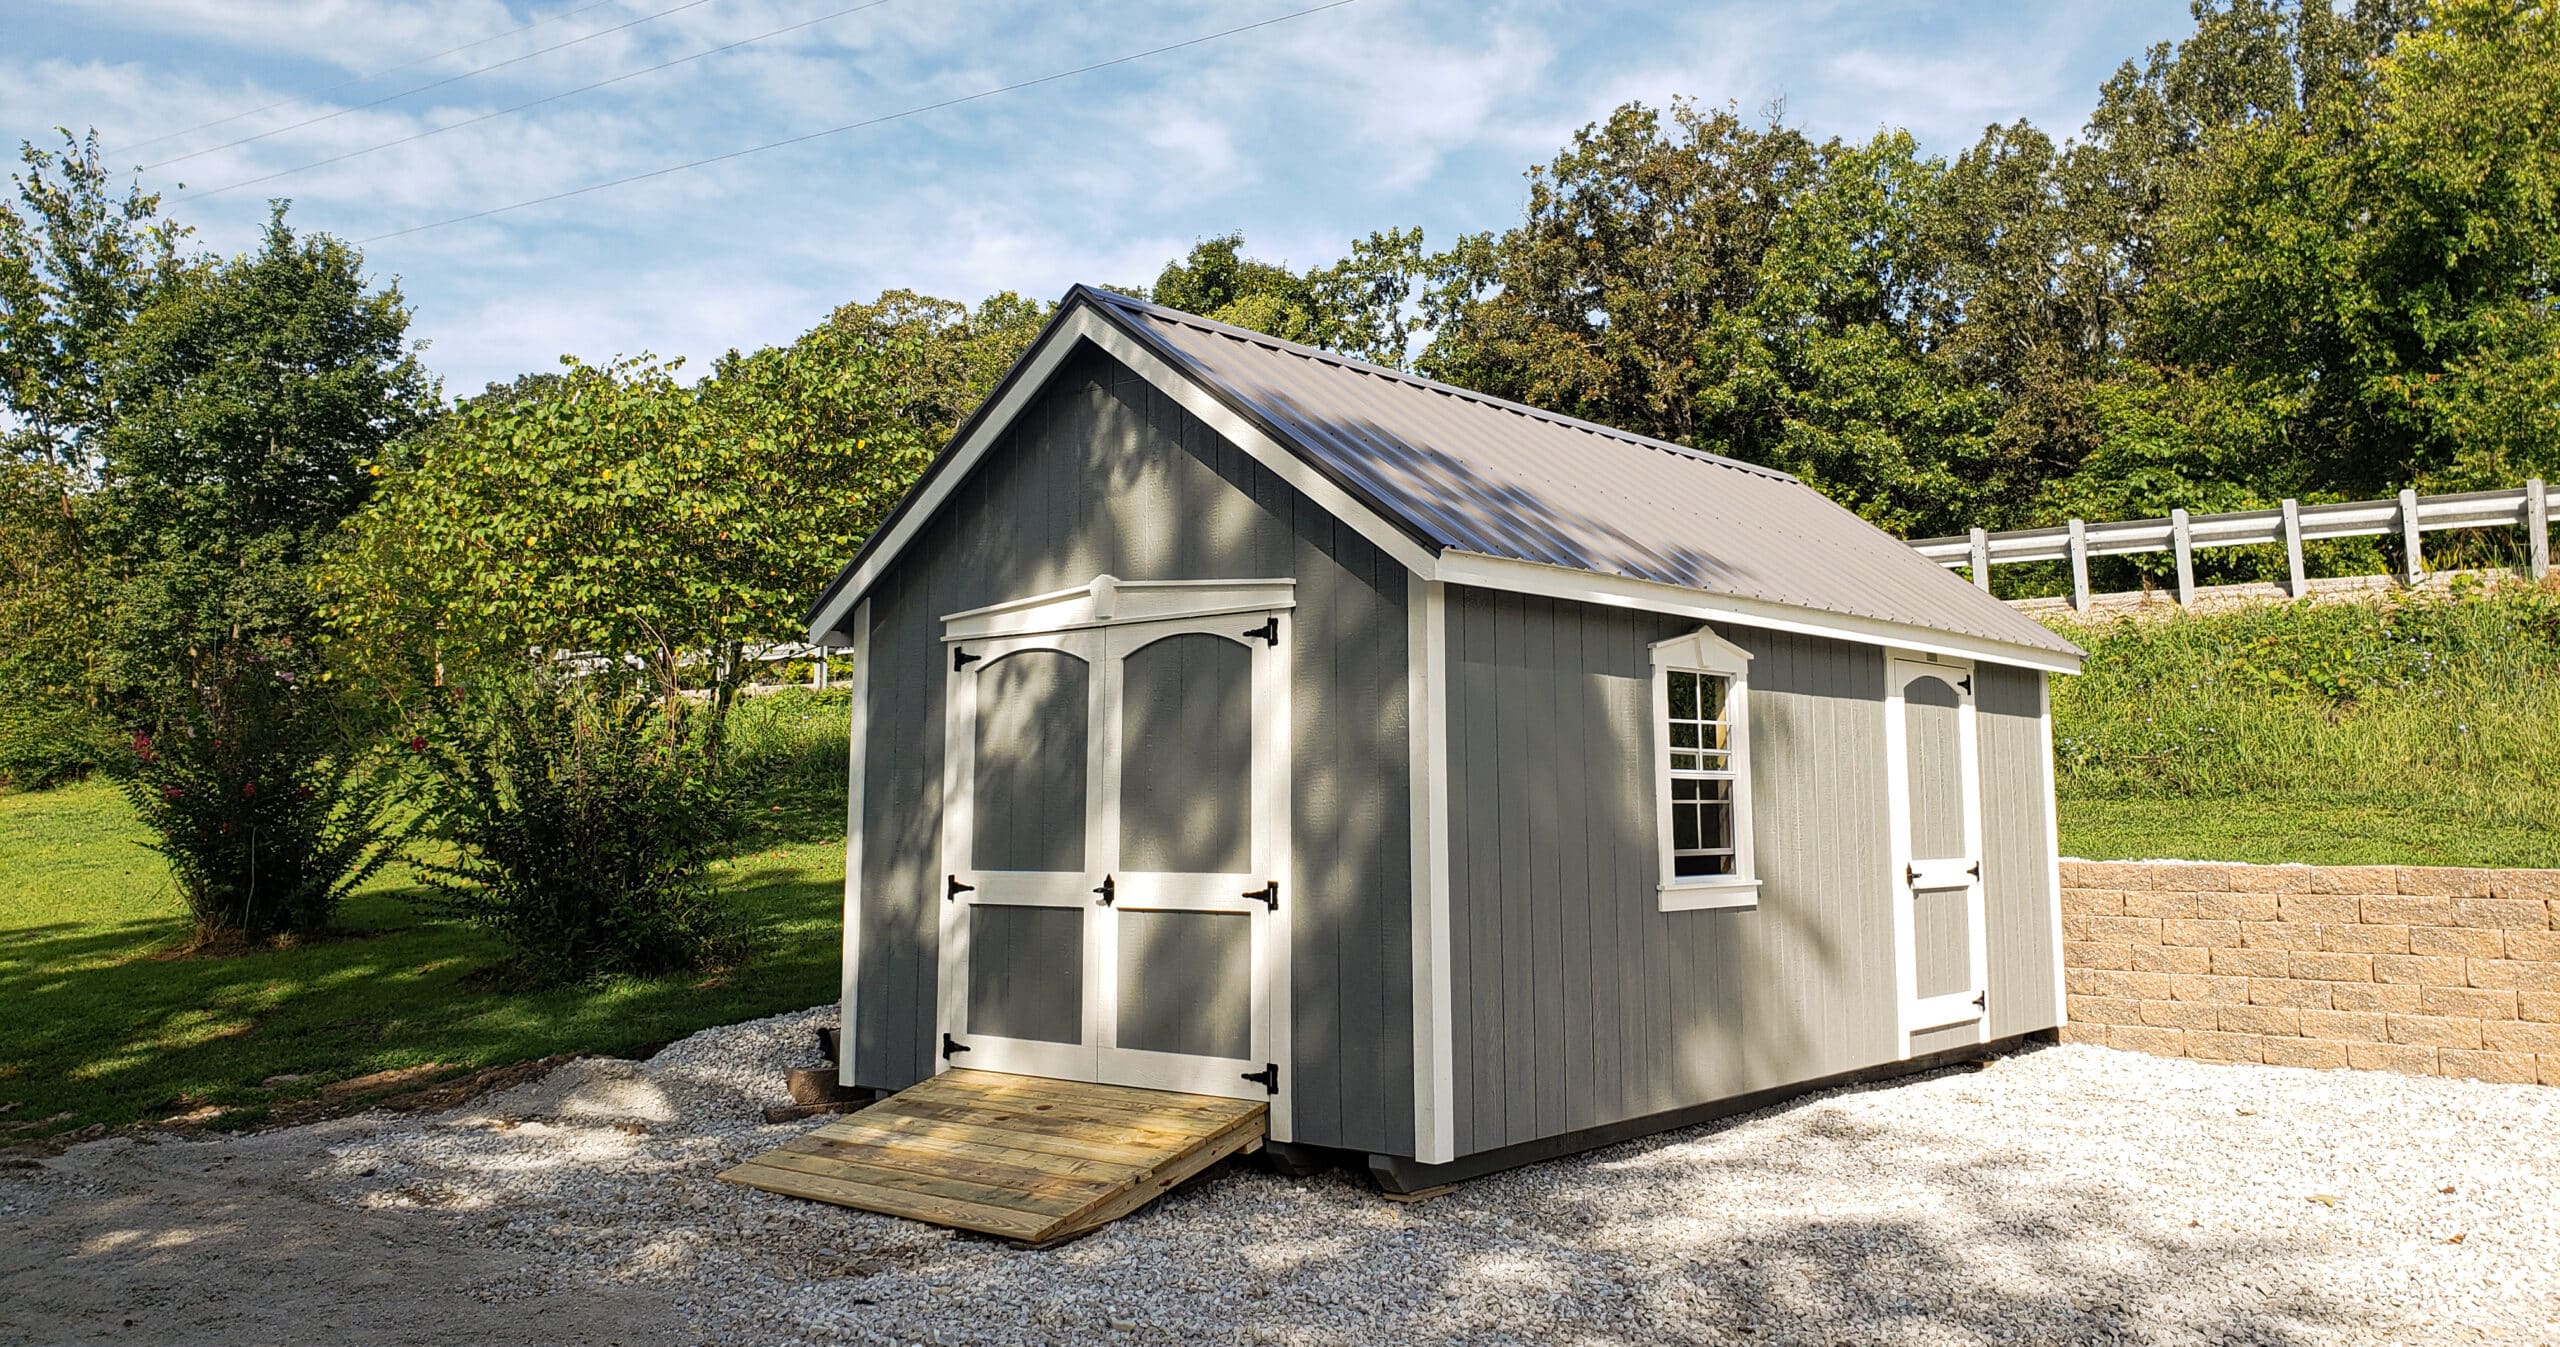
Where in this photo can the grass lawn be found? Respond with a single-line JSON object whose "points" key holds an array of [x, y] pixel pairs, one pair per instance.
{"points": [[2274, 829], [105, 1025]]}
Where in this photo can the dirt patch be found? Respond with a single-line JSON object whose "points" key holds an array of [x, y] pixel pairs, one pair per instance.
{"points": [[230, 1242]]}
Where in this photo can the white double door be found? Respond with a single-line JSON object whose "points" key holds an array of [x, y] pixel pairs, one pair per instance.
{"points": [[1115, 841], [1936, 785]]}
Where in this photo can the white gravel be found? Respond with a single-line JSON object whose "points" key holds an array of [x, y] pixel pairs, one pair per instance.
{"points": [[2065, 1194]]}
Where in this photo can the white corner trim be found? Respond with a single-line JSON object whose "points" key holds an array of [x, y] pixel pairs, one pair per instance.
{"points": [[1112, 601], [1427, 751], [2052, 844], [1703, 651], [1619, 591], [857, 752]]}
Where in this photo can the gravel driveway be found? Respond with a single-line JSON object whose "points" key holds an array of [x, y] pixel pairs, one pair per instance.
{"points": [[2065, 1194]]}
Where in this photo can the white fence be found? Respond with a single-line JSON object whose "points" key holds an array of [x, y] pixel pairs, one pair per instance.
{"points": [[2293, 523]]}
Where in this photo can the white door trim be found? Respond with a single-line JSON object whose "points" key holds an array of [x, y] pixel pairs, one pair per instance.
{"points": [[1911, 874], [1029, 888], [1103, 639]]}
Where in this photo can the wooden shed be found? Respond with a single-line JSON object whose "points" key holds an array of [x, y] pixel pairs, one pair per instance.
{"points": [[1471, 783]]}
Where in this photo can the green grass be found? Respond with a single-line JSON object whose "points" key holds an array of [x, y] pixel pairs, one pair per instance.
{"points": [[105, 1024], [2423, 731]]}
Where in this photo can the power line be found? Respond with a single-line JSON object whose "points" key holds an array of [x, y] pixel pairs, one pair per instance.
{"points": [[534, 103], [432, 84], [386, 70], [866, 122]]}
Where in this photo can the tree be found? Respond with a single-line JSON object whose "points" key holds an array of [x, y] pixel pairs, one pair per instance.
{"points": [[250, 400], [613, 509], [76, 264]]}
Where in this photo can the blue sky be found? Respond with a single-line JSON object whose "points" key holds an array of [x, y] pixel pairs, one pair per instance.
{"points": [[1303, 135]]}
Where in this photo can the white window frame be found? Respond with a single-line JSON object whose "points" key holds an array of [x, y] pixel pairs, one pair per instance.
{"points": [[1704, 652]]}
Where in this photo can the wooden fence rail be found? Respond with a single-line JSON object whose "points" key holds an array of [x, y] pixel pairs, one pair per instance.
{"points": [[2410, 516]]}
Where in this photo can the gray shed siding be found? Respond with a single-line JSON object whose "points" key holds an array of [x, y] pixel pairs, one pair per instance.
{"points": [[1576, 1002], [1103, 473]]}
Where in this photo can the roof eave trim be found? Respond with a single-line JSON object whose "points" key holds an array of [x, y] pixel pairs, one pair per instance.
{"points": [[1081, 317], [1619, 591]]}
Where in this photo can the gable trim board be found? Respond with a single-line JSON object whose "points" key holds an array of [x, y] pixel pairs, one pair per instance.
{"points": [[1085, 316]]}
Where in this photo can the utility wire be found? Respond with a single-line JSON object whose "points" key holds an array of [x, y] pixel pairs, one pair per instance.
{"points": [[866, 122], [535, 103], [386, 70], [432, 84]]}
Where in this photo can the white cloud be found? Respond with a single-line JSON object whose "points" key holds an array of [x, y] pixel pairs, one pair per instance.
{"points": [[1303, 135]]}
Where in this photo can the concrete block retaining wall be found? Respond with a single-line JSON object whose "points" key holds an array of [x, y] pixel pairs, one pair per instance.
{"points": [[2421, 970]]}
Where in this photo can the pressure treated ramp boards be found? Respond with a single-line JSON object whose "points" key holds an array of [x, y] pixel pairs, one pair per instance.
{"points": [[1030, 1160]]}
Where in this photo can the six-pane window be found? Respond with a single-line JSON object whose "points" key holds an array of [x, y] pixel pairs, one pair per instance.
{"points": [[1702, 773]]}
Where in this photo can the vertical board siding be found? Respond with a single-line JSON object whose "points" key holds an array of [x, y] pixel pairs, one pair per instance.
{"points": [[2017, 870], [1035, 960], [1576, 1001], [1105, 473]]}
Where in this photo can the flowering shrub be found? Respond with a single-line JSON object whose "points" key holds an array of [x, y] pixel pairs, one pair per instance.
{"points": [[584, 821], [268, 815]]}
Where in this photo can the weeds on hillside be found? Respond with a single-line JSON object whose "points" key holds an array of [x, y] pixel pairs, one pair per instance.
{"points": [[2418, 700]]}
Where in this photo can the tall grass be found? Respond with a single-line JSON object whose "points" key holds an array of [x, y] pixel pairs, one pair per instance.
{"points": [[2424, 706]]}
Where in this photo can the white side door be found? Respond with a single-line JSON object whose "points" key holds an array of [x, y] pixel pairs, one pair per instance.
{"points": [[1193, 840], [1023, 793], [1936, 786]]}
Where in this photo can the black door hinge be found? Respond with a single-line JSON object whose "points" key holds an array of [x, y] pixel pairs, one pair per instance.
{"points": [[1269, 894], [1966, 683], [962, 659], [1982, 999], [1974, 869], [1268, 1077], [1910, 874], [1110, 890], [952, 1045], [956, 888], [1269, 631]]}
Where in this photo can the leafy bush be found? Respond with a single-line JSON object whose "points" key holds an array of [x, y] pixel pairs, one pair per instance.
{"points": [[268, 815], [583, 822], [45, 740]]}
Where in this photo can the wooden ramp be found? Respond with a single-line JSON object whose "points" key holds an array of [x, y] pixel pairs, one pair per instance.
{"points": [[1026, 1159]]}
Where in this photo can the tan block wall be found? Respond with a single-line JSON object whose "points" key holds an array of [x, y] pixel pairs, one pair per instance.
{"points": [[2390, 968]]}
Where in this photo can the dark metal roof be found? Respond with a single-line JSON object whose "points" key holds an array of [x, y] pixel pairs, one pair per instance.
{"points": [[1466, 472]]}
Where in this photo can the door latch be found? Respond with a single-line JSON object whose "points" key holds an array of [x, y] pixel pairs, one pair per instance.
{"points": [[1268, 895], [1109, 890], [956, 888], [1268, 1077]]}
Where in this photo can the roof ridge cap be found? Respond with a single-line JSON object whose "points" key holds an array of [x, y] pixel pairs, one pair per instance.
{"points": [[1352, 365]]}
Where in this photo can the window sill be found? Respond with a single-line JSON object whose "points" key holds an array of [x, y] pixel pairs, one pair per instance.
{"points": [[1708, 895]]}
